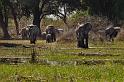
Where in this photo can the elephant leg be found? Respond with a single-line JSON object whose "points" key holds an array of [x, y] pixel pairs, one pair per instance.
{"points": [[54, 38], [108, 37], [83, 43], [23, 37], [79, 44], [26, 37], [33, 39], [48, 40], [111, 38], [86, 42], [51, 38]]}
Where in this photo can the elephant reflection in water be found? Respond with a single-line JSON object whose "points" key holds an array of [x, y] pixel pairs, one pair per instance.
{"points": [[82, 35]]}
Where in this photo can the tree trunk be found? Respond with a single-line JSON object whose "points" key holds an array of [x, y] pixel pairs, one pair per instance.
{"points": [[14, 17], [65, 22], [36, 21], [36, 14], [4, 29], [15, 21]]}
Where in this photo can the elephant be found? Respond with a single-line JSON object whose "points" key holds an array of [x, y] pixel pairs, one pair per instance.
{"points": [[25, 33], [59, 32], [43, 35], [111, 33], [48, 38], [33, 33], [82, 34], [51, 30]]}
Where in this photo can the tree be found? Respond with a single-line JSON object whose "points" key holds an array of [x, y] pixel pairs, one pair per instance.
{"points": [[112, 9], [8, 9], [4, 19], [65, 8], [13, 6], [39, 9]]}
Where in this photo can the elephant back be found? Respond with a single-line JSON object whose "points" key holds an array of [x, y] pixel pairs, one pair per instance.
{"points": [[85, 28], [34, 30], [109, 31], [50, 29]]}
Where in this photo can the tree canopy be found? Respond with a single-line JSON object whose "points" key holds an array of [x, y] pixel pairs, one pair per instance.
{"points": [[112, 9]]}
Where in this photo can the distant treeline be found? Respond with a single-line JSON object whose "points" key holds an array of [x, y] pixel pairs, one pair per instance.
{"points": [[38, 9]]}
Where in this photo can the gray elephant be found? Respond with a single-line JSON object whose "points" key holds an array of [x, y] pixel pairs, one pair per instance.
{"points": [[48, 38], [25, 33], [43, 35], [33, 33], [111, 33], [82, 35], [59, 32], [51, 30]]}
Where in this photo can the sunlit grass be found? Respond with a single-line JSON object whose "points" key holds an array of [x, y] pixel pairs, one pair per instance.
{"points": [[84, 73], [62, 52]]}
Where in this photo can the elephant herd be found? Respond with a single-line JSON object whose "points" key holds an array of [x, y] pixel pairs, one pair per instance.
{"points": [[51, 34], [82, 33], [83, 30], [31, 32]]}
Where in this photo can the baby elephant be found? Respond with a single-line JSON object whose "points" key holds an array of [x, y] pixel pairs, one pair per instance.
{"points": [[48, 38]]}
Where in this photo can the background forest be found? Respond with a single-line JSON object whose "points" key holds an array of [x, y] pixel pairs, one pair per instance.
{"points": [[16, 14]]}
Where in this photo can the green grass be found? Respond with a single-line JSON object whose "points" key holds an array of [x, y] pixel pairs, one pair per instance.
{"points": [[84, 73], [27, 72]]}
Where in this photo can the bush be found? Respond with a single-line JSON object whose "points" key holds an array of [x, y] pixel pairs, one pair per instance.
{"points": [[120, 36]]}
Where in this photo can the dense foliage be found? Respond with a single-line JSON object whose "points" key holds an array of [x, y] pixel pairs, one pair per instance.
{"points": [[15, 9], [113, 9]]}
